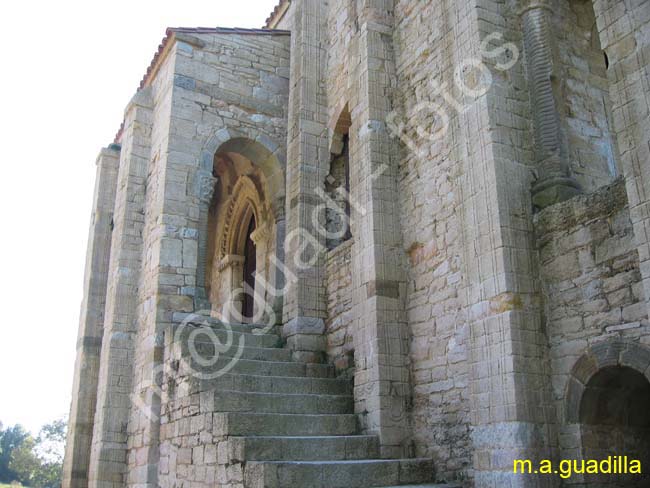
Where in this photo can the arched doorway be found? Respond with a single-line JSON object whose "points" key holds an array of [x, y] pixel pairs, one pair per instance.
{"points": [[247, 178], [242, 235], [250, 266], [615, 421], [607, 412]]}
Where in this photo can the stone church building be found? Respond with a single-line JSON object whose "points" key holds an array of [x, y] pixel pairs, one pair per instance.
{"points": [[375, 243]]}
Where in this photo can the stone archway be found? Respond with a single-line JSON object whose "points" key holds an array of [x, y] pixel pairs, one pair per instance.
{"points": [[608, 409], [247, 182], [239, 201]]}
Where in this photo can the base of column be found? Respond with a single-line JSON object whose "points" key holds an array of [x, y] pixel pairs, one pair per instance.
{"points": [[549, 191], [201, 302], [305, 337]]}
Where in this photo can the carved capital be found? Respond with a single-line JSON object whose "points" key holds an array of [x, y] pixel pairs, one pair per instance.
{"points": [[278, 209], [230, 260], [260, 234], [207, 185]]}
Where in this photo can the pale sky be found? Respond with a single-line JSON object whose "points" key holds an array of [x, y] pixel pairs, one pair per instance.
{"points": [[68, 69]]}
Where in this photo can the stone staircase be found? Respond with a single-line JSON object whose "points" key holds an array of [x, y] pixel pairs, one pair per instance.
{"points": [[290, 424]]}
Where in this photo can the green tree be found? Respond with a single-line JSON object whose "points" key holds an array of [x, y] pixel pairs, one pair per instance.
{"points": [[50, 447], [35, 462], [51, 441], [11, 438], [25, 463]]}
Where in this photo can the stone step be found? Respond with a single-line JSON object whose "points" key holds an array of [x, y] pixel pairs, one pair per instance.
{"points": [[255, 329], [230, 341], [278, 424], [428, 485], [311, 448], [192, 366], [237, 401], [337, 474], [272, 384], [192, 319], [207, 350]]}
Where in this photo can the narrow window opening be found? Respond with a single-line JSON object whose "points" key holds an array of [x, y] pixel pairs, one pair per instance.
{"points": [[337, 184], [337, 188]]}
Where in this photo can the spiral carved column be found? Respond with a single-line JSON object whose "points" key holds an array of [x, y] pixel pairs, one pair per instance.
{"points": [[554, 183]]}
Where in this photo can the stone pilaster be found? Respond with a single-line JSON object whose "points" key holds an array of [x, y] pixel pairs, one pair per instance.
{"points": [[554, 183], [382, 387], [511, 408], [277, 276], [307, 158], [109, 446], [91, 323], [231, 268]]}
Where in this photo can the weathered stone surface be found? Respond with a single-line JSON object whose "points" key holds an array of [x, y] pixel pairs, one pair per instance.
{"points": [[496, 262]]}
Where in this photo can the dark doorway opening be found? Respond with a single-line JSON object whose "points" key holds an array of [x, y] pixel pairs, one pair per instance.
{"points": [[615, 421], [250, 264]]}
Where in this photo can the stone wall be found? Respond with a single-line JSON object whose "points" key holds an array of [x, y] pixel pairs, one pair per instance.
{"points": [[226, 86], [342, 59], [340, 348], [582, 82], [594, 303], [430, 196], [624, 29], [465, 313], [143, 426], [192, 449], [590, 273]]}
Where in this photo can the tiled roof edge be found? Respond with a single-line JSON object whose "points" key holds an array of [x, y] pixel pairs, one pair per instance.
{"points": [[279, 8]]}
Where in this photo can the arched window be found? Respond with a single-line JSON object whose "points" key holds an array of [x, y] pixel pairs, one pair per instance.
{"points": [[337, 184]]}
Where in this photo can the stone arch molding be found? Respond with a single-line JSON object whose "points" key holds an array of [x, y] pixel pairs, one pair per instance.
{"points": [[265, 153], [244, 202], [606, 354], [260, 149]]}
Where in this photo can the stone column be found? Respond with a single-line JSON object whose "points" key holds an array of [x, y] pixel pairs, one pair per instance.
{"points": [[307, 157], [509, 390], [260, 238], [207, 184], [91, 324], [277, 277], [231, 270], [554, 183], [108, 456]]}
